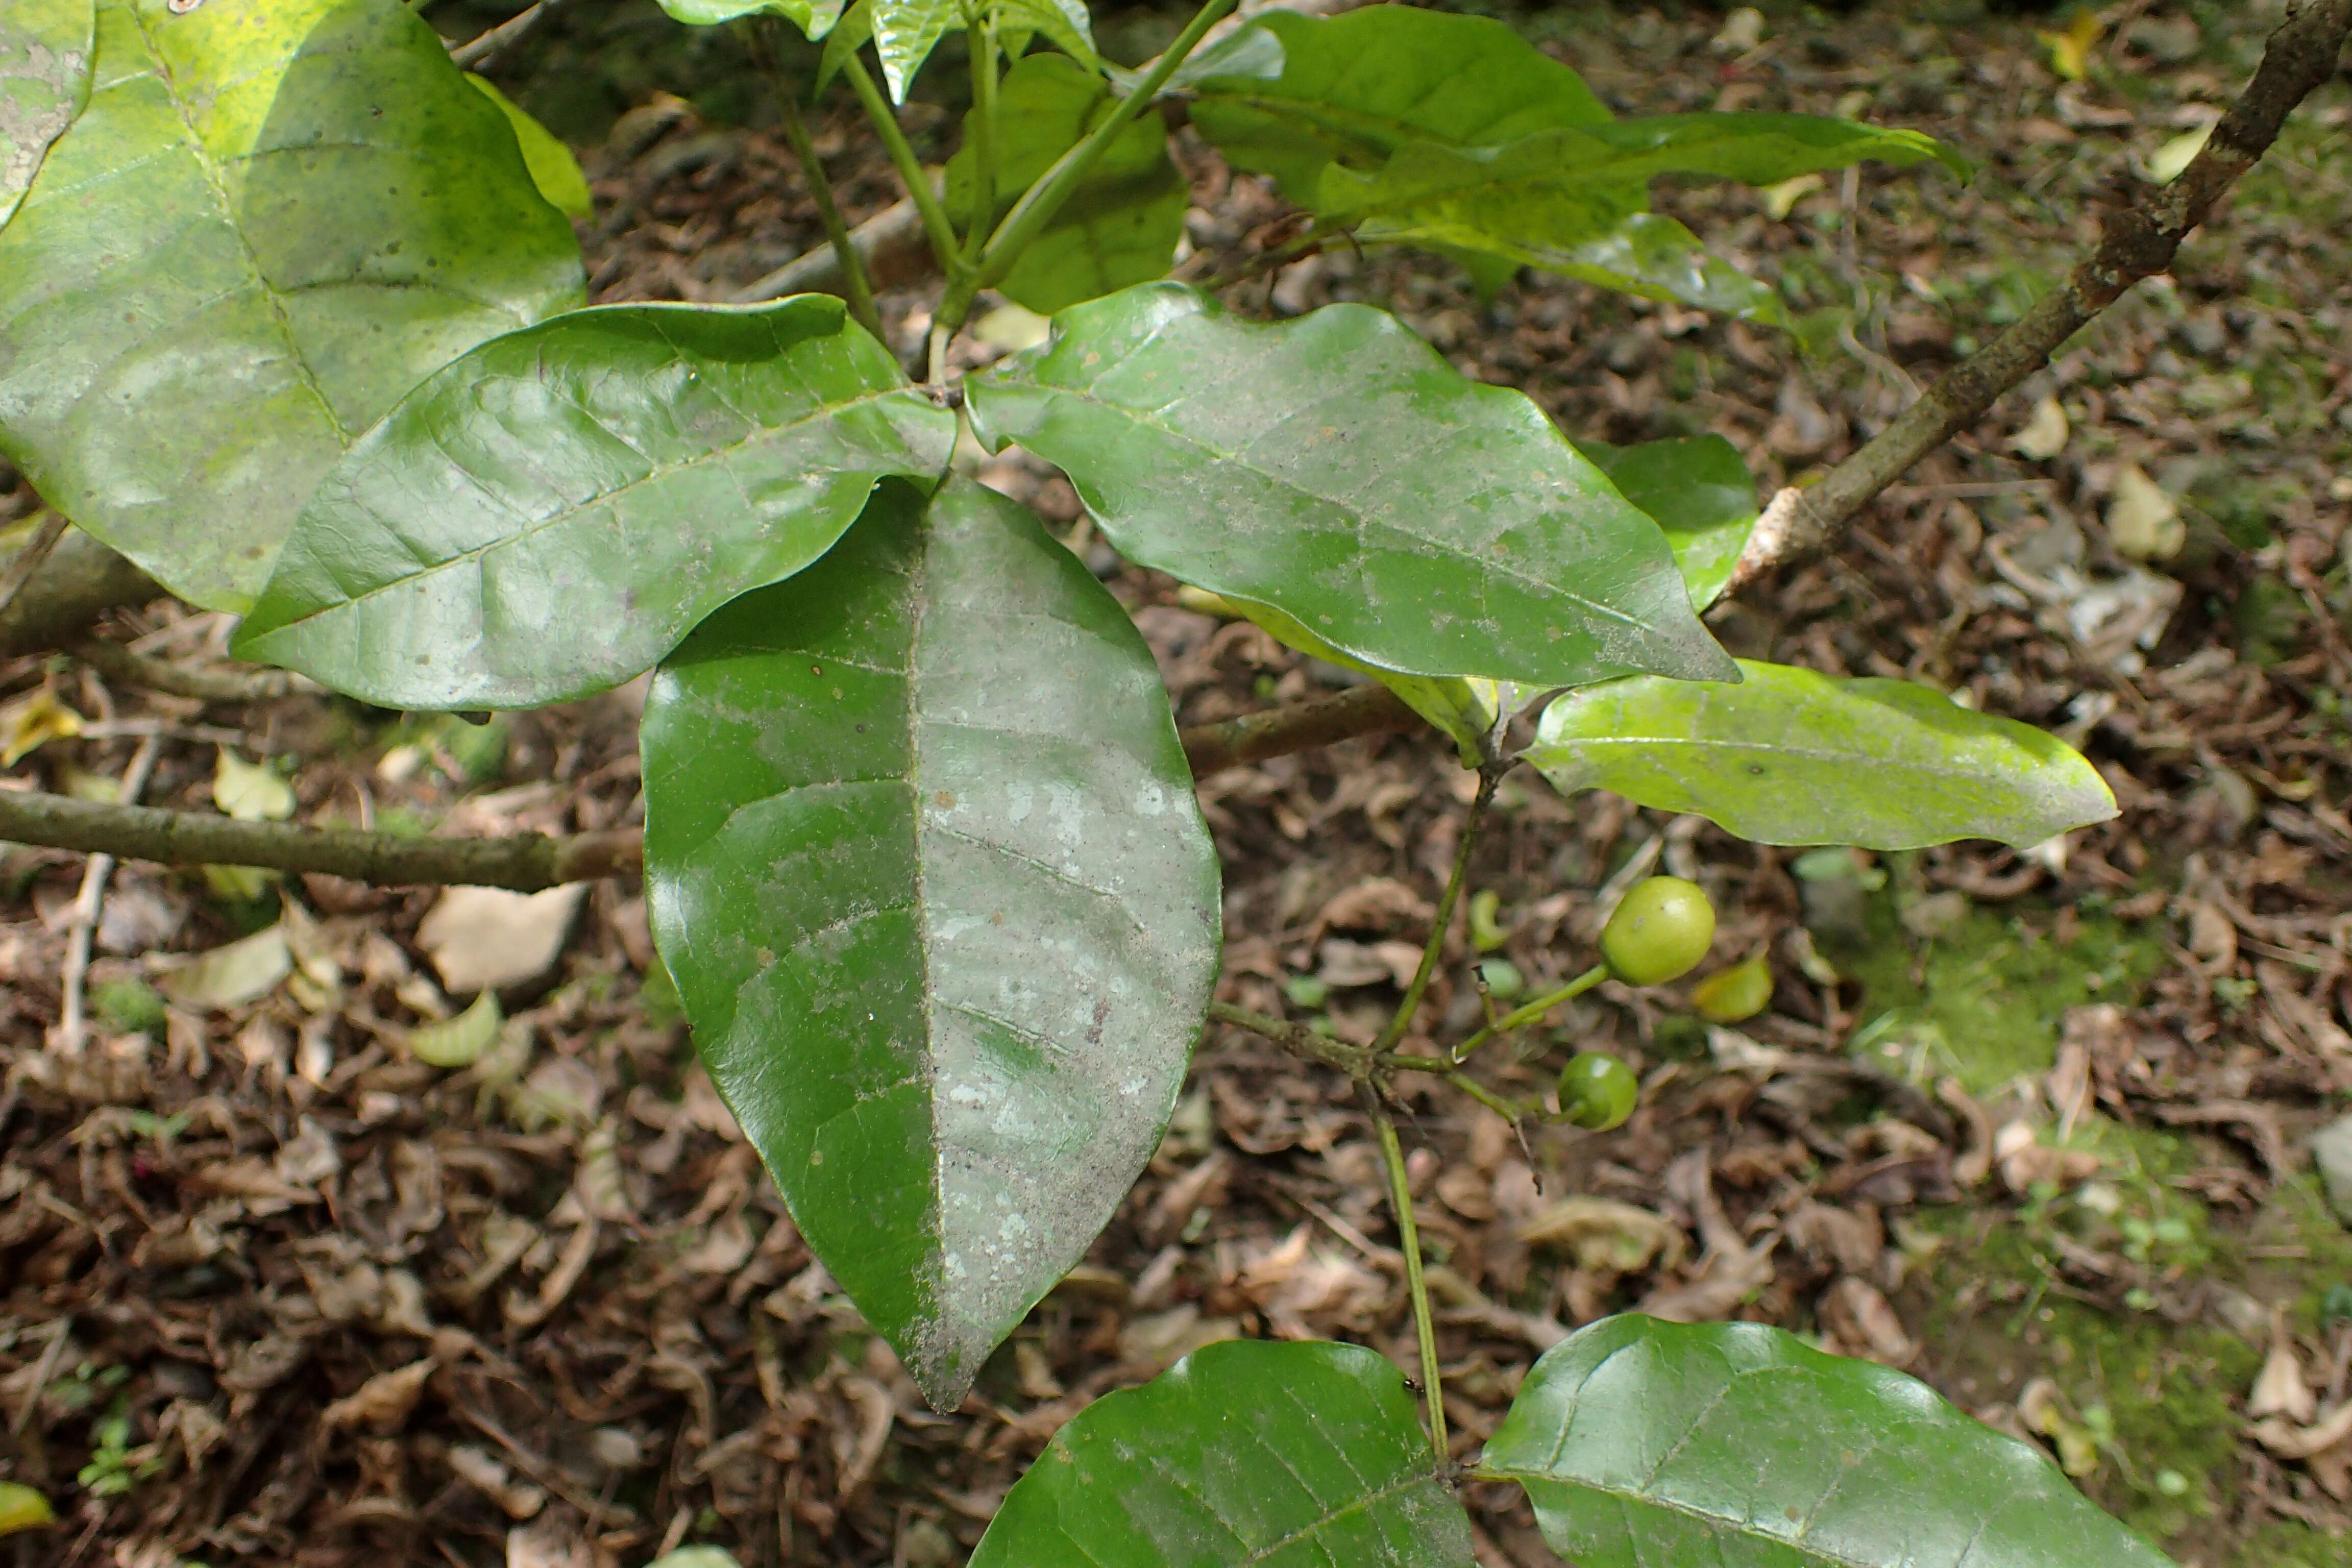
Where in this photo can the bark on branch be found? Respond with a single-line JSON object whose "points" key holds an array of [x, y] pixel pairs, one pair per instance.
{"points": [[2136, 242], [527, 862]]}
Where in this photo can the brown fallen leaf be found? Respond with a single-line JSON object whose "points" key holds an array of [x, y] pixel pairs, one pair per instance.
{"points": [[1603, 1235], [383, 1402], [2279, 1389], [1865, 1321]]}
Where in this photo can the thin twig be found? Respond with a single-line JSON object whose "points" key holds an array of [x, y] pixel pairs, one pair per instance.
{"points": [[1531, 1011], [1353, 1060], [118, 663], [1408, 1238], [73, 1025], [482, 49], [2136, 242], [26, 561], [1431, 949]]}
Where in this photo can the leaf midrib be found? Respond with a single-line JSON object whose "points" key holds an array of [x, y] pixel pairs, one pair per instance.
{"points": [[1803, 754], [568, 514], [218, 188], [1357, 518]]}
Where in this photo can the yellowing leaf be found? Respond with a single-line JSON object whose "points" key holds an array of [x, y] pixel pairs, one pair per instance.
{"points": [[2166, 163], [230, 976], [22, 1508], [2143, 521], [1780, 200], [2070, 51], [460, 1041], [2045, 435], [32, 722], [552, 167], [249, 792], [1735, 994]]}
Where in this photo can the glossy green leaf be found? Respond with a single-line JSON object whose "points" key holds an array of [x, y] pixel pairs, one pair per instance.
{"points": [[1336, 469], [1298, 1455], [45, 60], [905, 33], [814, 17], [1119, 228], [923, 857], [1064, 22], [273, 219], [1355, 88], [1582, 179], [1641, 1442], [1252, 53], [1698, 490], [548, 515], [1788, 756], [552, 167], [1574, 200]]}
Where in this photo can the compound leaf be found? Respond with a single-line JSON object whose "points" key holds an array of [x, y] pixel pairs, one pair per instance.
{"points": [[1788, 756], [1119, 228], [1336, 469], [1643, 1442], [1698, 490], [1295, 1455], [274, 217], [923, 858], [814, 17], [549, 514], [44, 59], [1355, 88]]}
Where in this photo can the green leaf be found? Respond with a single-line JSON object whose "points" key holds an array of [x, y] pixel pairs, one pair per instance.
{"points": [[1122, 223], [1699, 491], [548, 515], [273, 219], [905, 32], [814, 17], [1252, 53], [1064, 22], [1336, 469], [1355, 88], [923, 857], [854, 32], [1788, 756], [1574, 200], [552, 167], [1584, 178], [45, 57], [1298, 1454], [1641, 1442]]}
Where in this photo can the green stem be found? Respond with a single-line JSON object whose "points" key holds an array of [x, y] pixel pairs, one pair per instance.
{"points": [[1487, 778], [1486, 1097], [1299, 1041], [919, 189], [855, 285], [1409, 1236], [1040, 201], [1532, 1011], [983, 139]]}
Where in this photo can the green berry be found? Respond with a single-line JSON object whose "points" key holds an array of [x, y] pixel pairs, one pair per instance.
{"points": [[1731, 996], [1661, 929], [1597, 1091], [1503, 978]]}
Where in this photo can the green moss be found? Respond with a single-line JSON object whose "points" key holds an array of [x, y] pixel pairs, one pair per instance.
{"points": [[1988, 1000]]}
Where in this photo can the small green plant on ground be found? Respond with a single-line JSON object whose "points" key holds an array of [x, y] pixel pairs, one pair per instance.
{"points": [[290, 315]]}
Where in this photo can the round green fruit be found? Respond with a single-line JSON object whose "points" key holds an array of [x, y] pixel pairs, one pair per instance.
{"points": [[1659, 932], [1597, 1091]]}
